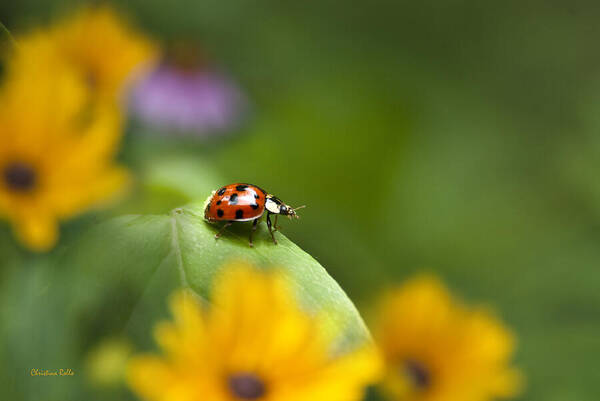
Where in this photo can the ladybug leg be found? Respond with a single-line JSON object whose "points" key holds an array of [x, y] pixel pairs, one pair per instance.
{"points": [[252, 231], [217, 235], [270, 228], [275, 224]]}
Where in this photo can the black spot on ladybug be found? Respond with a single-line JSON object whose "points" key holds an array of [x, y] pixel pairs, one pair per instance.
{"points": [[218, 202], [241, 187], [208, 207], [254, 206], [233, 199], [220, 212], [221, 191], [256, 196], [239, 214]]}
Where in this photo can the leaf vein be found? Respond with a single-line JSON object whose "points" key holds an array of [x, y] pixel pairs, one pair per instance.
{"points": [[177, 250]]}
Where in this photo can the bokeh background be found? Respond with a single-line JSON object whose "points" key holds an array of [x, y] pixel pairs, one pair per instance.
{"points": [[457, 137]]}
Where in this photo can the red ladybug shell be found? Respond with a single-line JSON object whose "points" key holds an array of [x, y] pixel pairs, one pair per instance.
{"points": [[236, 202]]}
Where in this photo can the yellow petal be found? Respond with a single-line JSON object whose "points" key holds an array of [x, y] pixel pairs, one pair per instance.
{"points": [[341, 379], [40, 102], [92, 33], [150, 377], [37, 229], [256, 310], [69, 198], [184, 338], [106, 363]]}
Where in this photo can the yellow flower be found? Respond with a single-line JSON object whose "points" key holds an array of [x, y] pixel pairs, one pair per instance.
{"points": [[437, 349], [103, 46], [254, 343], [105, 364], [56, 158]]}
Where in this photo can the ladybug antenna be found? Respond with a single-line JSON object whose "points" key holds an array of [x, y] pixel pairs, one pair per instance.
{"points": [[294, 211]]}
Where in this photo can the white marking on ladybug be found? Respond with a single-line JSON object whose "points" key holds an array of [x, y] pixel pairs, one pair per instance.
{"points": [[272, 206], [207, 201]]}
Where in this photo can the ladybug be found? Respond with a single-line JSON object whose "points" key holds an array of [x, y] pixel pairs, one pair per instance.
{"points": [[245, 202]]}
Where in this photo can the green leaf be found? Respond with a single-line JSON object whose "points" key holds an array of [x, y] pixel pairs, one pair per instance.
{"points": [[148, 256]]}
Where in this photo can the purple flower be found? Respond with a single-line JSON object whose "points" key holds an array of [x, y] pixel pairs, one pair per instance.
{"points": [[195, 101]]}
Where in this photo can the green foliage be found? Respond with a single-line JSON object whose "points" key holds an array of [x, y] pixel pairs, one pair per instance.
{"points": [[132, 250], [115, 281], [7, 45], [6, 40]]}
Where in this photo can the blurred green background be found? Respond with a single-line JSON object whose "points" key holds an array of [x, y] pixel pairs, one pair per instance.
{"points": [[460, 137]]}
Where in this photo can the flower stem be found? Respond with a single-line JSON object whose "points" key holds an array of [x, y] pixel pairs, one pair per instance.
{"points": [[5, 35]]}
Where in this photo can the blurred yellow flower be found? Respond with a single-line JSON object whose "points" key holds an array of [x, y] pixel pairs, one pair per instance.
{"points": [[437, 349], [94, 42], [106, 363], [56, 158], [254, 343], [103, 47], [60, 123]]}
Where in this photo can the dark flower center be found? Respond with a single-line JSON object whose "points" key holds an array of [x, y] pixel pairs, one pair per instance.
{"points": [[246, 386], [418, 374], [19, 177], [92, 79]]}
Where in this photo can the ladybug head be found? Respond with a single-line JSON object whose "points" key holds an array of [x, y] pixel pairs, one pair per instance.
{"points": [[289, 211], [276, 206]]}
